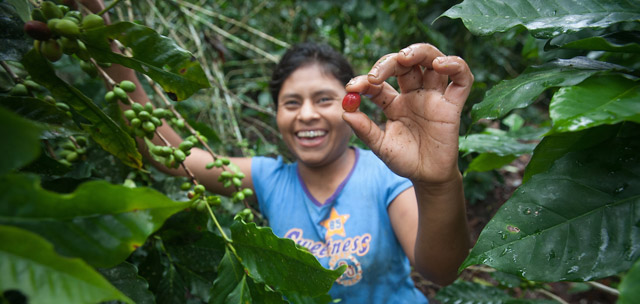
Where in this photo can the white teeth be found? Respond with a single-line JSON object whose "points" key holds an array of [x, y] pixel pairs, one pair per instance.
{"points": [[311, 133]]}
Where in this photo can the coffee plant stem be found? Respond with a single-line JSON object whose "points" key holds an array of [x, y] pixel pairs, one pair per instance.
{"points": [[552, 296], [110, 6], [104, 74], [16, 79], [184, 166], [604, 288]]}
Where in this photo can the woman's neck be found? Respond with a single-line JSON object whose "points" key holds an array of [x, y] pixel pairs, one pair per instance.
{"points": [[322, 181]]}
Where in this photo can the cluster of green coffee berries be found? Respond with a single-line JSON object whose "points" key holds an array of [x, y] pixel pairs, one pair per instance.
{"points": [[119, 92], [233, 178], [144, 119], [26, 88], [246, 215], [198, 196], [56, 29], [71, 152]]}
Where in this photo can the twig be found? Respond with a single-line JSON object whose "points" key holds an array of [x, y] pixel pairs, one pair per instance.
{"points": [[604, 288], [16, 79], [552, 296], [234, 22], [110, 6]]}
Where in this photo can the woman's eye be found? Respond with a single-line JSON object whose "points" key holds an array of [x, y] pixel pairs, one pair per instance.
{"points": [[290, 103], [325, 99]]}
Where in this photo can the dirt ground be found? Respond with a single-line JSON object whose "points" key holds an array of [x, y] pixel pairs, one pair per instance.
{"points": [[479, 215]]}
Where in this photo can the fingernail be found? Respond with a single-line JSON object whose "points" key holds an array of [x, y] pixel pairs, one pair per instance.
{"points": [[441, 60], [350, 82], [374, 72], [406, 51]]}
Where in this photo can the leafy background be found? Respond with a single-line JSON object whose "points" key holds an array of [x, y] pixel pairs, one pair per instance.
{"points": [[557, 81]]}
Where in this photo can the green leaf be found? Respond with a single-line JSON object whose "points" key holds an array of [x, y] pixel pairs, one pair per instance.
{"points": [[35, 109], [241, 293], [555, 146], [12, 38], [587, 40], [106, 132], [629, 291], [277, 262], [232, 279], [606, 99], [544, 19], [473, 293], [125, 277], [489, 161], [28, 263], [575, 222], [99, 222], [523, 90], [173, 68], [498, 143], [21, 141], [172, 288]]}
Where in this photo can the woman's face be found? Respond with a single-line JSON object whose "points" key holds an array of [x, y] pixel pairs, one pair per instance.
{"points": [[310, 116]]}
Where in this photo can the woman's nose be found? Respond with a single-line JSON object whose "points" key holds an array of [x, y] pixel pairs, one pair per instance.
{"points": [[308, 111]]}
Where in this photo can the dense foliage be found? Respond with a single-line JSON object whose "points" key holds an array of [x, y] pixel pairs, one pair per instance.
{"points": [[84, 218]]}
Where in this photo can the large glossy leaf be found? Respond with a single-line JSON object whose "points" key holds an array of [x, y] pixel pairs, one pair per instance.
{"points": [[106, 132], [500, 144], [629, 291], [544, 19], [12, 38], [524, 89], [588, 40], [29, 264], [173, 68], [606, 99], [99, 222], [232, 283], [277, 262], [125, 278], [473, 293], [577, 221], [20, 139], [555, 146]]}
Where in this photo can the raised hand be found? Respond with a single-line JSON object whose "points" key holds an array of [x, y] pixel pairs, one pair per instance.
{"points": [[420, 138]]}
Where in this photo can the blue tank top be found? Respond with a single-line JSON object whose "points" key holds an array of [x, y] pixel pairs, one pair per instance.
{"points": [[351, 228]]}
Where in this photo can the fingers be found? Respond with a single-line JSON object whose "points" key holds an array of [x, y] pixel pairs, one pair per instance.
{"points": [[461, 78], [422, 54], [381, 94], [365, 129]]}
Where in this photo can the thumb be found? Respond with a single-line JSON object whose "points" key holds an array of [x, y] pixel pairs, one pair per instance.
{"points": [[364, 128]]}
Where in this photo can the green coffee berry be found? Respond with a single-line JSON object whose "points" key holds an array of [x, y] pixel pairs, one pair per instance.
{"points": [[179, 155], [89, 68], [63, 8], [51, 50], [92, 21], [82, 52], [137, 107], [180, 123], [159, 112], [69, 45], [144, 115], [110, 97], [185, 145], [32, 85], [209, 165], [185, 186], [136, 122], [247, 192], [239, 196], [73, 14], [72, 156], [198, 189], [37, 15], [62, 106], [128, 86], [156, 121], [67, 28], [50, 10], [225, 161], [129, 114], [19, 90], [236, 181], [121, 94], [81, 140], [239, 175], [218, 163], [148, 126]]}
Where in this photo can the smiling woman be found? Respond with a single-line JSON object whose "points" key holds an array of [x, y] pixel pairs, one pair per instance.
{"points": [[376, 211]]}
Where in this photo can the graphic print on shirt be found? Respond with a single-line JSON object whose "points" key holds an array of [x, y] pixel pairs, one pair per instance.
{"points": [[341, 251]]}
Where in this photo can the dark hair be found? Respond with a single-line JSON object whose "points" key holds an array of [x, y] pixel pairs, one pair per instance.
{"points": [[308, 53]]}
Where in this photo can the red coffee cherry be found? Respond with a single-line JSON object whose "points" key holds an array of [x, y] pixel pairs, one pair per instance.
{"points": [[37, 30], [351, 102]]}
